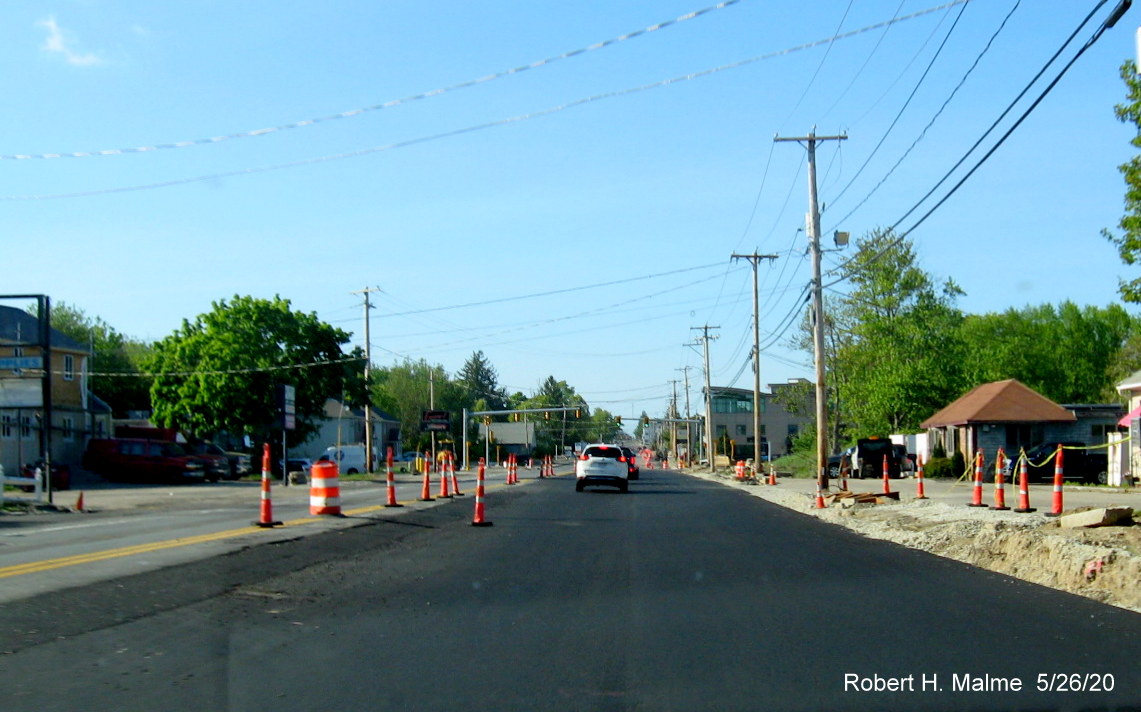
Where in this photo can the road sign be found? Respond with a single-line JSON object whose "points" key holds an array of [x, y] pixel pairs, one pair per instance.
{"points": [[435, 421]]}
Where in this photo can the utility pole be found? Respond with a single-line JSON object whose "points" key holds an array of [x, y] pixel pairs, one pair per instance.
{"points": [[705, 337], [754, 259], [688, 434], [673, 425], [813, 225], [367, 366]]}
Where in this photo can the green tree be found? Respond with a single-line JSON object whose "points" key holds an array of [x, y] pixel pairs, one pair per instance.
{"points": [[406, 390], [116, 376], [898, 353], [220, 372], [1128, 243], [1067, 353], [480, 384]]}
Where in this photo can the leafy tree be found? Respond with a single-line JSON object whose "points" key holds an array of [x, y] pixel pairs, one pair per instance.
{"points": [[480, 384], [406, 390], [1066, 353], [220, 372], [1129, 241], [895, 340], [112, 354]]}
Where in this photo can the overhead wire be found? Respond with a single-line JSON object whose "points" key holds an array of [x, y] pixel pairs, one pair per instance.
{"points": [[384, 105], [471, 128], [1002, 139], [902, 109]]}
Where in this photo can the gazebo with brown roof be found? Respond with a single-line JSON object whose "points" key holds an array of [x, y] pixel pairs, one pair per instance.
{"points": [[972, 421]]}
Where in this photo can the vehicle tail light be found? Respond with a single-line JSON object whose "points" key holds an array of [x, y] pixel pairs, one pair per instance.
{"points": [[584, 458], [621, 458]]}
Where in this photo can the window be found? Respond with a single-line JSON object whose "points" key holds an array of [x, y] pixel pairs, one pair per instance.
{"points": [[1099, 431], [25, 426], [721, 431], [740, 429], [68, 367], [6, 427], [67, 425]]}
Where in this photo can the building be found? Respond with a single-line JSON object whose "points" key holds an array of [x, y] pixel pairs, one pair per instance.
{"points": [[1012, 416], [732, 414], [75, 413], [342, 425]]}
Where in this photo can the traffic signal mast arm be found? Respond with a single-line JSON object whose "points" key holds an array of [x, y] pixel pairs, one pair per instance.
{"points": [[525, 410]]}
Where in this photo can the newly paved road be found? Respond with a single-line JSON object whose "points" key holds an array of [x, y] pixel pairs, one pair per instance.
{"points": [[681, 595]]}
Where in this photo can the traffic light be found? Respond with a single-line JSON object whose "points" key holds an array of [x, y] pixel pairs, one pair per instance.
{"points": [[546, 415], [618, 419], [577, 413], [487, 420]]}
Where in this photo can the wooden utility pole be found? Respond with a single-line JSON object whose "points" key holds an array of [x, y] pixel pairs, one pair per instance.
{"points": [[754, 259], [368, 393], [705, 337], [813, 226]]}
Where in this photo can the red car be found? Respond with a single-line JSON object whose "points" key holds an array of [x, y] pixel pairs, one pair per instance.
{"points": [[140, 460]]}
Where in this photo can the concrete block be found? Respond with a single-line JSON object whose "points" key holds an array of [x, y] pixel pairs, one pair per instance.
{"points": [[1105, 516]]}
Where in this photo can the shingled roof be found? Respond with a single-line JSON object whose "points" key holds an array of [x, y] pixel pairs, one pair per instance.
{"points": [[1000, 402]]}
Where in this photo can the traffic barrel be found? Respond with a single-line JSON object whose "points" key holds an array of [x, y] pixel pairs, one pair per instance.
{"points": [[265, 518], [391, 480], [999, 483], [919, 492], [740, 469], [324, 489], [977, 495], [1023, 486], [1059, 479], [479, 520]]}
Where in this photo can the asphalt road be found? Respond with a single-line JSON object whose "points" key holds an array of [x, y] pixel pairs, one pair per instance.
{"points": [[681, 595]]}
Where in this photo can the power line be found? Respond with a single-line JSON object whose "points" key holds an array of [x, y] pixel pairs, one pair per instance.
{"points": [[377, 107], [476, 127]]}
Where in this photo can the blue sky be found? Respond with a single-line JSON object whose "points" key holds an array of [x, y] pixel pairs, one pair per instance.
{"points": [[575, 218]]}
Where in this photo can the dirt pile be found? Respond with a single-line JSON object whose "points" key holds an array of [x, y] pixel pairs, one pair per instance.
{"points": [[1102, 563]]}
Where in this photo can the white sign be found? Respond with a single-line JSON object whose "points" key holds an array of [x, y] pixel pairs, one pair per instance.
{"points": [[21, 393]]}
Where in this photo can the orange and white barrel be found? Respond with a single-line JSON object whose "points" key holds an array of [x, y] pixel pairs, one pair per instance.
{"points": [[324, 488]]}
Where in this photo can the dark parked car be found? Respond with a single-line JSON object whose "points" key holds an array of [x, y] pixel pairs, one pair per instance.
{"points": [[1078, 463], [215, 459], [139, 460], [632, 463]]}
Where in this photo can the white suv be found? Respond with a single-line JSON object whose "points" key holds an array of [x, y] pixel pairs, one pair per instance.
{"points": [[601, 464]]}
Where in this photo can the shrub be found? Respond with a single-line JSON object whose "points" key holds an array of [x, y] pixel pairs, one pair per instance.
{"points": [[958, 464], [939, 467]]}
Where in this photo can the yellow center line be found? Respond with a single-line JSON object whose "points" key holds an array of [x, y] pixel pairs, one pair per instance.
{"points": [[122, 552]]}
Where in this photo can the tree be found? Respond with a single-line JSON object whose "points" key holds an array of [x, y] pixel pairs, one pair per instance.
{"points": [[1129, 241], [114, 365], [480, 384], [1067, 353], [897, 351], [220, 372], [406, 390]]}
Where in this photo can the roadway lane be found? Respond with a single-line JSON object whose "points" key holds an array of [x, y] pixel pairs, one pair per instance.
{"points": [[134, 528], [681, 595]]}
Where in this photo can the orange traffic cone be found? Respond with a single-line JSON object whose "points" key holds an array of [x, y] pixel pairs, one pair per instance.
{"points": [[266, 518], [478, 520], [79, 503]]}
